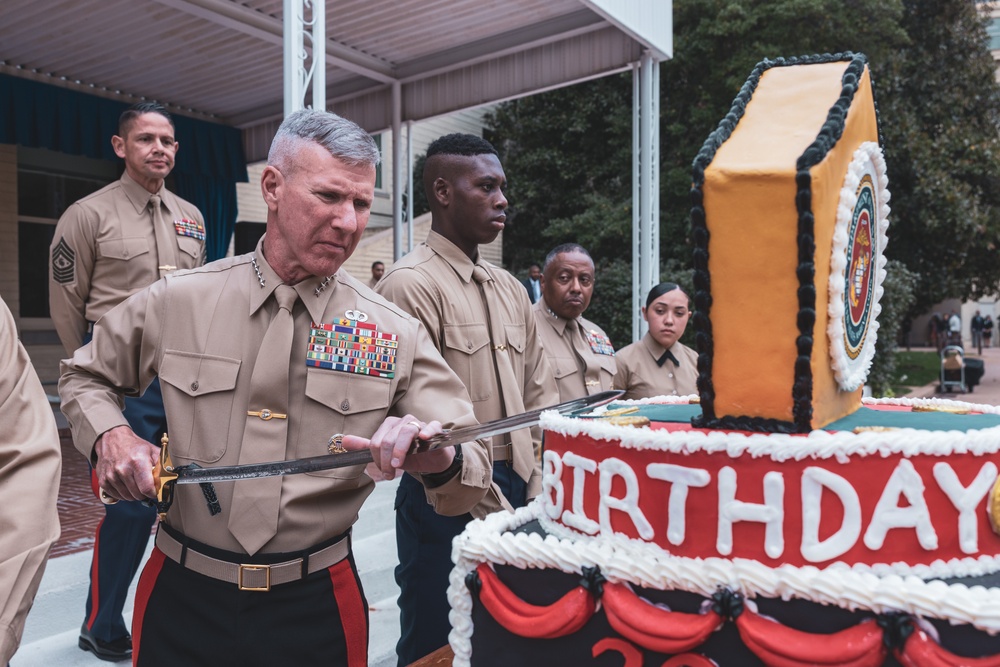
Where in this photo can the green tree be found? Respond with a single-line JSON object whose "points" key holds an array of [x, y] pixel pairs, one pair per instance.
{"points": [[940, 110], [567, 153]]}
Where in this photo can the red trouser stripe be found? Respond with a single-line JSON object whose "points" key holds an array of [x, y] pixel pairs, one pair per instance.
{"points": [[147, 581], [95, 580], [353, 615]]}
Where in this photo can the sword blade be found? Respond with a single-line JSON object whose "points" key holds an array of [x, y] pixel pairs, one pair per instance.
{"points": [[190, 475]]}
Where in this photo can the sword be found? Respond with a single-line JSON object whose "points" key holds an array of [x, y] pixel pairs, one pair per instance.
{"points": [[166, 475]]}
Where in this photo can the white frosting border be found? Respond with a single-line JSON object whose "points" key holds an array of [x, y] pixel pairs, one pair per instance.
{"points": [[879, 588], [818, 444], [491, 540], [851, 373]]}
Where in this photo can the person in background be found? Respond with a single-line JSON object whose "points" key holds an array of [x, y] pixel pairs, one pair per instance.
{"points": [[954, 329], [378, 268], [106, 247], [479, 317], [30, 466], [260, 572], [533, 283], [579, 352], [987, 330], [976, 329], [658, 364]]}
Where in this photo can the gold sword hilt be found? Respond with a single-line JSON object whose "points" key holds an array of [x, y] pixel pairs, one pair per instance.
{"points": [[164, 477], [163, 482]]}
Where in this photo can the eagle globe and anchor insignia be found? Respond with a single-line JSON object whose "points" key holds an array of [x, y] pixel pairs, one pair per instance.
{"points": [[857, 266], [858, 283]]}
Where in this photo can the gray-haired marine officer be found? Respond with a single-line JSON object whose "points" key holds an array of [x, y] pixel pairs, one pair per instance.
{"points": [[264, 357], [107, 246], [579, 352]]}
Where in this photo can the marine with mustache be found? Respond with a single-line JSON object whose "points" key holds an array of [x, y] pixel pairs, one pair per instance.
{"points": [[108, 246], [579, 352]]}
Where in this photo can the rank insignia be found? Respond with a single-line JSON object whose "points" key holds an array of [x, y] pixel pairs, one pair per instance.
{"points": [[599, 343], [185, 227], [63, 263], [352, 346]]}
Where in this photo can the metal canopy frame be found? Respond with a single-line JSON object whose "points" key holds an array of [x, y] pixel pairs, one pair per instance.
{"points": [[383, 63]]}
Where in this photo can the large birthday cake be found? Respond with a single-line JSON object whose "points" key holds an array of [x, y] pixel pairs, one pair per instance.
{"points": [[777, 519]]}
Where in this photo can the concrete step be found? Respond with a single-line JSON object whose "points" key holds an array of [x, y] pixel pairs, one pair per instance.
{"points": [[53, 626]]}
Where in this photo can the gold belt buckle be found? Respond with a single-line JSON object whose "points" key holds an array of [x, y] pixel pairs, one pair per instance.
{"points": [[250, 567], [266, 414]]}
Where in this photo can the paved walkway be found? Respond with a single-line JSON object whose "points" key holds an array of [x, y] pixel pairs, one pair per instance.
{"points": [[53, 625]]}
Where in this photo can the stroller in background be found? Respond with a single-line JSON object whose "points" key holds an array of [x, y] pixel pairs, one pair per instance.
{"points": [[957, 372]]}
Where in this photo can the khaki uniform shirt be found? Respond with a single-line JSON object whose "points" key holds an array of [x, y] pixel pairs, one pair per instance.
{"points": [[200, 332], [30, 464], [640, 377], [579, 353], [104, 250], [434, 283]]}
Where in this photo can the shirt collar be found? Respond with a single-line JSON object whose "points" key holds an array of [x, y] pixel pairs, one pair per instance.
{"points": [[654, 349], [306, 289], [452, 254], [558, 323], [138, 195]]}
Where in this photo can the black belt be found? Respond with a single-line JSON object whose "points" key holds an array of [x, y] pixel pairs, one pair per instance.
{"points": [[251, 576]]}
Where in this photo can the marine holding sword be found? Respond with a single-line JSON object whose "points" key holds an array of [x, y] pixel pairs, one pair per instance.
{"points": [[266, 357]]}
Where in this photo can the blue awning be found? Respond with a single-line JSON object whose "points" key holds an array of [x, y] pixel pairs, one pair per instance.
{"points": [[211, 161]]}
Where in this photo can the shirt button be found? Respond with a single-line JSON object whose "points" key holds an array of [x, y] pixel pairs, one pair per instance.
{"points": [[194, 386], [670, 375], [468, 344], [346, 405]]}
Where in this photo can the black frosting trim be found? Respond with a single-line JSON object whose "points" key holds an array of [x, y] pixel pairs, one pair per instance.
{"points": [[833, 128]]}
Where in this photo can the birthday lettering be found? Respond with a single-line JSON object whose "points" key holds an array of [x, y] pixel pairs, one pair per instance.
{"points": [[606, 497]]}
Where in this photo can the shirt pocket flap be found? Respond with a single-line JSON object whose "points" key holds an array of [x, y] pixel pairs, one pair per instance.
{"points": [[348, 393], [515, 336], [189, 246], [607, 363], [123, 248], [198, 374], [562, 366], [466, 338]]}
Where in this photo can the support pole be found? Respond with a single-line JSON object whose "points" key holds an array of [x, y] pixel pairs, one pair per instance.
{"points": [[645, 186], [409, 186], [304, 69], [397, 171]]}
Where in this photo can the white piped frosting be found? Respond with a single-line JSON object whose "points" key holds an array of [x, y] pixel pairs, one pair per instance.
{"points": [[902, 587]]}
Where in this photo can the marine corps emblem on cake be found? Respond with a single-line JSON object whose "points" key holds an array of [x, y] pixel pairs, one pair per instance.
{"points": [[857, 266]]}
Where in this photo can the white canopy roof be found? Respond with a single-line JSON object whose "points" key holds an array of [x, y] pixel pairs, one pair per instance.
{"points": [[222, 60]]}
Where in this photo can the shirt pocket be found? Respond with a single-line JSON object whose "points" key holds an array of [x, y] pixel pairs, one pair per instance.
{"points": [[562, 367], [467, 351], [122, 248], [198, 393], [608, 366], [191, 247], [359, 404]]}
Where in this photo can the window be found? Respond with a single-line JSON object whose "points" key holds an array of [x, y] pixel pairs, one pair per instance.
{"points": [[47, 183]]}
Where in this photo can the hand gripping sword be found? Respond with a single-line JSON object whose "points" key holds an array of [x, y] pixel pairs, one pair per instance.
{"points": [[166, 475]]}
